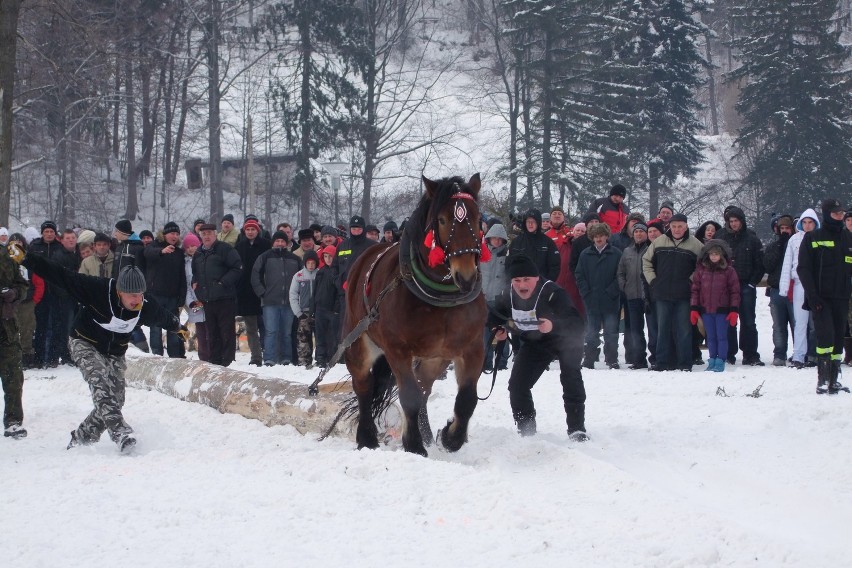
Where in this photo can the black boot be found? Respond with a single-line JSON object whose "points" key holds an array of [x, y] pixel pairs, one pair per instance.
{"points": [[525, 421], [847, 350], [575, 418], [823, 373], [834, 385]]}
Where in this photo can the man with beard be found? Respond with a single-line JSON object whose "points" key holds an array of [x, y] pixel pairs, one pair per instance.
{"points": [[540, 314], [780, 306]]}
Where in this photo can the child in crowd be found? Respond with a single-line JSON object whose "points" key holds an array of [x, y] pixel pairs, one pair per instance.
{"points": [[301, 302], [715, 299]]}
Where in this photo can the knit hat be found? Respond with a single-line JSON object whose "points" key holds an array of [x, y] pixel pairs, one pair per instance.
{"points": [[228, 217], [371, 229], [171, 227], [190, 240], [146, 233], [329, 230], [102, 238], [598, 229], [251, 223], [829, 206], [667, 205], [251, 217], [618, 189], [30, 234], [519, 265], [4, 232], [545, 216], [640, 227], [591, 217], [48, 225], [198, 222], [557, 208], [678, 217], [315, 227], [390, 226], [356, 221], [86, 236], [131, 281], [124, 226], [280, 235], [581, 226], [657, 224], [311, 255]]}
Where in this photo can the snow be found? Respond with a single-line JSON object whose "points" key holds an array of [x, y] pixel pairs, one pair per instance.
{"points": [[673, 476]]}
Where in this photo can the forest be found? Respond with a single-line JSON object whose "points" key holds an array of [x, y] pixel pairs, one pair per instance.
{"points": [[313, 110]]}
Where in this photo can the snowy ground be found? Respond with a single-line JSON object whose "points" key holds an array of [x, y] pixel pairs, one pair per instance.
{"points": [[674, 476]]}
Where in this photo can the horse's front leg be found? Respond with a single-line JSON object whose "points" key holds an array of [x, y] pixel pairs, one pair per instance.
{"points": [[412, 398], [426, 371], [468, 368]]}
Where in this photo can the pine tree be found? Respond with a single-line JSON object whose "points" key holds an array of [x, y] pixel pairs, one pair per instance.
{"points": [[795, 101]]}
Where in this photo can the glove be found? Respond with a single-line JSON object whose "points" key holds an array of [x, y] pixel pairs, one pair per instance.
{"points": [[16, 252], [9, 295], [694, 316], [732, 318], [183, 332], [815, 303]]}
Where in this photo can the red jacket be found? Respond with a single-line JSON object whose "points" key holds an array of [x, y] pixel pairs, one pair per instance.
{"points": [[715, 290], [613, 215], [560, 235]]}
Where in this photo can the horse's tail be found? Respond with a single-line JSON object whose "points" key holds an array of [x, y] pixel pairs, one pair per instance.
{"points": [[384, 395]]}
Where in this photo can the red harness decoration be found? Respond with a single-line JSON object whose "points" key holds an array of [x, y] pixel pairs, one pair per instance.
{"points": [[437, 255]]}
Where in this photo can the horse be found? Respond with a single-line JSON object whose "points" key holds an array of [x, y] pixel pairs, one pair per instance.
{"points": [[429, 311]]}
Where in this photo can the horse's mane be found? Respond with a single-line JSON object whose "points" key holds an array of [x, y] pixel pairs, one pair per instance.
{"points": [[427, 208]]}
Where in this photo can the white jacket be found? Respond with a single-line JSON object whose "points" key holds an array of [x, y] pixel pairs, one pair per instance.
{"points": [[302, 291], [791, 255]]}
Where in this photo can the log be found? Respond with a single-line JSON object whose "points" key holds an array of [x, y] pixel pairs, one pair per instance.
{"points": [[271, 401]]}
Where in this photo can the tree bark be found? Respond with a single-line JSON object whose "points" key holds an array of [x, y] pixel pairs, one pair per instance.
{"points": [[217, 197], [9, 12], [132, 198], [304, 177]]}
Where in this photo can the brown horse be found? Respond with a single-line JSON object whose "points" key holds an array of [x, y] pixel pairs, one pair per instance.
{"points": [[428, 316]]}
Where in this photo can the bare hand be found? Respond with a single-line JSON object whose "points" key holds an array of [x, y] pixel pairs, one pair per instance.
{"points": [[501, 334], [169, 249], [546, 326]]}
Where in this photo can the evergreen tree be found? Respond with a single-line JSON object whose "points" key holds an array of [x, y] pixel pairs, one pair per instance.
{"points": [[795, 102]]}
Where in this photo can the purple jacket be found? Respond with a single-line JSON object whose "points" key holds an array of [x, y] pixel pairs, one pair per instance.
{"points": [[714, 290]]}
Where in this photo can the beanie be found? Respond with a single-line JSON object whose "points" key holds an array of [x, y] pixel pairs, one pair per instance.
{"points": [[557, 208], [315, 227], [519, 265], [146, 233], [131, 281], [251, 223], [390, 226], [311, 255], [86, 236], [171, 227], [30, 234], [829, 206], [640, 227], [102, 238], [329, 230], [667, 205], [618, 189], [280, 235], [48, 225], [228, 217], [198, 222], [190, 240], [124, 226], [371, 229]]}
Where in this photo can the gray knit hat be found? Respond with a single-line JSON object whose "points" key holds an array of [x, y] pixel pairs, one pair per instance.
{"points": [[130, 281]]}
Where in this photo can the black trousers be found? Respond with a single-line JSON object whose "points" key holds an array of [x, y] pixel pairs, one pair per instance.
{"points": [[327, 334], [221, 333], [532, 359], [830, 325]]}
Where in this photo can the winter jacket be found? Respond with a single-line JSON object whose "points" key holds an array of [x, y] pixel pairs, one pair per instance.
{"points": [[715, 288], [248, 303], [597, 279], [621, 240], [825, 263], [325, 291], [773, 260], [560, 235], [494, 276], [668, 265], [347, 253], [789, 275], [748, 253], [550, 302], [630, 279], [302, 291], [216, 271], [194, 315], [57, 253], [578, 245], [100, 303], [537, 246], [566, 277], [100, 267], [11, 278], [613, 215], [128, 253], [164, 273], [230, 237], [272, 274]]}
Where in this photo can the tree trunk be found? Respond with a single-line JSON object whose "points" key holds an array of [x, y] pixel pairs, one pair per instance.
{"points": [[371, 136], [304, 177], [653, 189], [132, 198], [184, 112], [116, 114], [217, 197], [547, 87], [9, 11], [711, 88], [143, 167]]}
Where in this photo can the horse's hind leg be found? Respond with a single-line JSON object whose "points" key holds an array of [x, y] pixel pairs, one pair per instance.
{"points": [[454, 434], [359, 361]]}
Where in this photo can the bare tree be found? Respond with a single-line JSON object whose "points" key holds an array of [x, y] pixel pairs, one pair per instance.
{"points": [[9, 12]]}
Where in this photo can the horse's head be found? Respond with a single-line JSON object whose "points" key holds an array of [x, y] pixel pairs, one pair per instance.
{"points": [[454, 218]]}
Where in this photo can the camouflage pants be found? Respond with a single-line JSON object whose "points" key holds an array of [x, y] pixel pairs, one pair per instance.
{"points": [[105, 375], [305, 339], [11, 374]]}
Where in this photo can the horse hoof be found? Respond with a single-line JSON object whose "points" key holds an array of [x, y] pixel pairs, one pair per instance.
{"points": [[447, 443]]}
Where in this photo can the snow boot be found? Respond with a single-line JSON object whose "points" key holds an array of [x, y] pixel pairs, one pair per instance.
{"points": [[720, 365], [834, 385], [575, 418], [823, 373], [847, 350], [711, 364], [126, 443], [526, 424], [15, 431]]}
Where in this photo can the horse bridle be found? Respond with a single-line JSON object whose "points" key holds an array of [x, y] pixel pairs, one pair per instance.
{"points": [[459, 214]]}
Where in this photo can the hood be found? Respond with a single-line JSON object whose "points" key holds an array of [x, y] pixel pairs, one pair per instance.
{"points": [[712, 243], [535, 214], [699, 234], [810, 213], [497, 230], [734, 211], [632, 217]]}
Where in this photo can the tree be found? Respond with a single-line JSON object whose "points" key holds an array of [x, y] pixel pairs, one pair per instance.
{"points": [[9, 12], [795, 102]]}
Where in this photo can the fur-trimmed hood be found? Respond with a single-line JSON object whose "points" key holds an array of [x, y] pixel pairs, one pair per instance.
{"points": [[704, 257]]}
